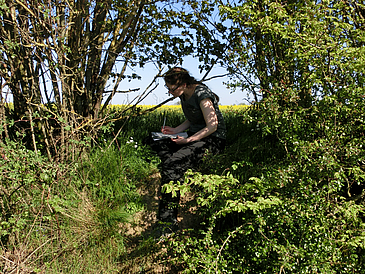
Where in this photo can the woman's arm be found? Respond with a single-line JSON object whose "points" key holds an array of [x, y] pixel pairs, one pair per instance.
{"points": [[211, 121]]}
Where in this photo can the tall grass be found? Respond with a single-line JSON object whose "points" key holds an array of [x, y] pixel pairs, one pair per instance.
{"points": [[67, 219]]}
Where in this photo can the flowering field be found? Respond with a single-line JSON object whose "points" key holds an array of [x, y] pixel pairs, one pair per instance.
{"points": [[117, 108], [175, 107]]}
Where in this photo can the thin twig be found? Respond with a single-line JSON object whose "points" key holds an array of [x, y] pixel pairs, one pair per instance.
{"points": [[221, 249]]}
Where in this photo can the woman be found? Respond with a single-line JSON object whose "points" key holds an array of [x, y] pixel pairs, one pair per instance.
{"points": [[206, 132]]}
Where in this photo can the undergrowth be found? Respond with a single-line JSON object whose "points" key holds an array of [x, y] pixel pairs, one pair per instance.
{"points": [[285, 199], [66, 218]]}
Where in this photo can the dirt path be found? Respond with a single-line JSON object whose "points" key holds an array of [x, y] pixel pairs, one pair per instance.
{"points": [[144, 253]]}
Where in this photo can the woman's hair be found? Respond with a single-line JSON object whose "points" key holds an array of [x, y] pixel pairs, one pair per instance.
{"points": [[179, 76]]}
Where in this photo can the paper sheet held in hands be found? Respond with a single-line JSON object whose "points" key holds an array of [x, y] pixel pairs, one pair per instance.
{"points": [[159, 135]]}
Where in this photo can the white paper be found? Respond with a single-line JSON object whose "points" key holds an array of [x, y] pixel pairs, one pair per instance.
{"points": [[159, 135]]}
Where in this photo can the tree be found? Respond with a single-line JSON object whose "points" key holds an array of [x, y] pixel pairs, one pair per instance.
{"points": [[65, 51], [74, 45], [71, 54], [289, 45]]}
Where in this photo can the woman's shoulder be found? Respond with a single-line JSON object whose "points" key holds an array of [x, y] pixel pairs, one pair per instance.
{"points": [[202, 92], [202, 89]]}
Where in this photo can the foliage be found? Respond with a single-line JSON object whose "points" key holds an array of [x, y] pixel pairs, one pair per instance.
{"points": [[286, 196], [80, 206], [277, 200], [22, 172], [295, 49], [292, 200], [52, 213], [302, 212]]}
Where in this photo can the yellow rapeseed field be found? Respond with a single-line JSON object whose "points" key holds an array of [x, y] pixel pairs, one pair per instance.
{"points": [[176, 107]]}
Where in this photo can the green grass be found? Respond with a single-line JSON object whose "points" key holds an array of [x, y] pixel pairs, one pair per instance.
{"points": [[66, 219]]}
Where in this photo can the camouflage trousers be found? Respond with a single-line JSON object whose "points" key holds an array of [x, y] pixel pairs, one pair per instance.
{"points": [[175, 161]]}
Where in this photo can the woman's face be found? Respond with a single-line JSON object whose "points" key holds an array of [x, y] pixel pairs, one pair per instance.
{"points": [[175, 90]]}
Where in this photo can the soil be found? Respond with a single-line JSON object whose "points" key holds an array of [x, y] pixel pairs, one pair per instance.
{"points": [[145, 254]]}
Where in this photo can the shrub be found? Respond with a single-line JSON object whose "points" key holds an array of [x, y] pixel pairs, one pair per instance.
{"points": [[292, 199]]}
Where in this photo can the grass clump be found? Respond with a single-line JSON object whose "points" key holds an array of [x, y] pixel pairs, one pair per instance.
{"points": [[65, 219]]}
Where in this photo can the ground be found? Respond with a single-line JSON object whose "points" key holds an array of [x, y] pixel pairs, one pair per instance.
{"points": [[144, 252]]}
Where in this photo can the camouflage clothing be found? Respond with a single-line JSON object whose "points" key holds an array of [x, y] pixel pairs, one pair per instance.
{"points": [[175, 161]]}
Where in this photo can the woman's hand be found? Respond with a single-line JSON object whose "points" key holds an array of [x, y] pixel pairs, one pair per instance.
{"points": [[168, 130], [179, 140]]}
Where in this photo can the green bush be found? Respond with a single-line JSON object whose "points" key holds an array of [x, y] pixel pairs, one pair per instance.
{"points": [[287, 195], [292, 198], [25, 180]]}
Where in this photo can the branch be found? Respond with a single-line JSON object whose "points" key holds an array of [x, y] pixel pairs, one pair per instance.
{"points": [[213, 77], [122, 91], [159, 105]]}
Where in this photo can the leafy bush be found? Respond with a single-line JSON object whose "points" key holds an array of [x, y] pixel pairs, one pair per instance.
{"points": [[292, 199], [23, 174]]}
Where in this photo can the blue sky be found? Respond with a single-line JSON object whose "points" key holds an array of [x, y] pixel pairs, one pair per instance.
{"points": [[160, 93]]}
